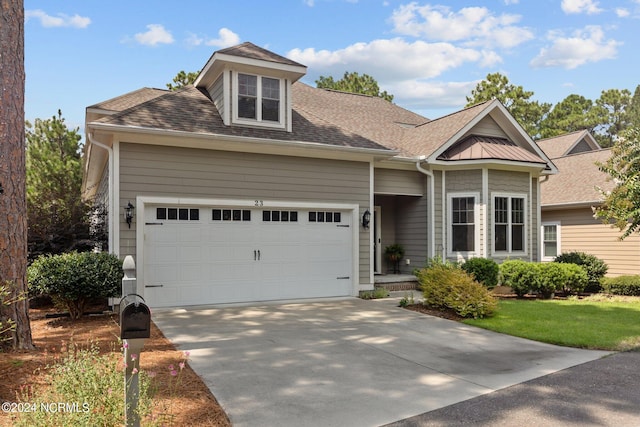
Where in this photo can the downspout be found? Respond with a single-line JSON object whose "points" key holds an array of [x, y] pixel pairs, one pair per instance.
{"points": [[432, 208], [110, 192]]}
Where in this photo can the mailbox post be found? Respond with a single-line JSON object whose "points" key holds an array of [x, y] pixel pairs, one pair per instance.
{"points": [[135, 327]]}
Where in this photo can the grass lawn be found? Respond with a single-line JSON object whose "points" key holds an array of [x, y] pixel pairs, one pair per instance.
{"points": [[594, 322]]}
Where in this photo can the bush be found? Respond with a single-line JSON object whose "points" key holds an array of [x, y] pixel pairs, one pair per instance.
{"points": [[622, 285], [569, 278], [521, 276], [595, 267], [448, 286], [484, 270], [75, 278]]}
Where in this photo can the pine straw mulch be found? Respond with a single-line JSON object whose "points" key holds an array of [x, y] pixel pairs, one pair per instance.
{"points": [[191, 402]]}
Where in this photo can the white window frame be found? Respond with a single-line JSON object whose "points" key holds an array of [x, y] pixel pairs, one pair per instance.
{"points": [[476, 225], [525, 237], [558, 226], [258, 120]]}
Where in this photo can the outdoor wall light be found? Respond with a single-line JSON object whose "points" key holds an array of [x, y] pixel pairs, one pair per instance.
{"points": [[366, 219], [128, 213]]}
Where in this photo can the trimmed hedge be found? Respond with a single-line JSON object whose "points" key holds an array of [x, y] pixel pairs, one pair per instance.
{"points": [[544, 279], [622, 285], [595, 267], [74, 278], [484, 270], [446, 285]]}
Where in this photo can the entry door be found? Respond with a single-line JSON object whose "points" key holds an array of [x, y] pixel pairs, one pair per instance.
{"points": [[377, 239]]}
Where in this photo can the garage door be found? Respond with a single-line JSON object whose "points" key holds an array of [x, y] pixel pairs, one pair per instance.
{"points": [[195, 255]]}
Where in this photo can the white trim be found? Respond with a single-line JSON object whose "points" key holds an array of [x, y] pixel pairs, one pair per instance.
{"points": [[530, 230], [143, 201], [476, 225], [558, 226], [371, 209], [527, 218], [444, 215], [485, 211], [115, 209]]}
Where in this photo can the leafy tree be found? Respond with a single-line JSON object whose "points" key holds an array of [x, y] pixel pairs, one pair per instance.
{"points": [[613, 105], [528, 113], [182, 79], [354, 83], [633, 112], [573, 113], [57, 215], [13, 207], [622, 205]]}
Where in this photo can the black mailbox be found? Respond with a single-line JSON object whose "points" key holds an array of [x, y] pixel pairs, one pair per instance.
{"points": [[135, 318]]}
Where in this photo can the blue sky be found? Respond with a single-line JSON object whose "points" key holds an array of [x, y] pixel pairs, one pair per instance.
{"points": [[430, 55]]}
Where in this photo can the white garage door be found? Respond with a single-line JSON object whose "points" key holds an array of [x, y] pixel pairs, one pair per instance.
{"points": [[195, 255]]}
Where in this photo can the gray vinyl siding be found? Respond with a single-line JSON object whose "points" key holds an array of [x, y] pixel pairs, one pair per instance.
{"points": [[488, 127], [398, 182], [147, 170], [439, 212], [535, 221], [102, 195], [217, 94], [411, 231]]}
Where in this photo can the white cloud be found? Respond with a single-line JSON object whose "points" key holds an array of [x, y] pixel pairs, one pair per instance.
{"points": [[474, 26], [587, 45], [155, 34], [419, 59], [589, 7], [509, 2], [416, 94], [61, 20], [622, 12], [226, 38]]}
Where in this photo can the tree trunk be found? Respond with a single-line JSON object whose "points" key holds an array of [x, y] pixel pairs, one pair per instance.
{"points": [[13, 204]]}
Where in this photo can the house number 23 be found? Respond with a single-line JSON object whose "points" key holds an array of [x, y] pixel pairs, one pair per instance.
{"points": [[259, 203]]}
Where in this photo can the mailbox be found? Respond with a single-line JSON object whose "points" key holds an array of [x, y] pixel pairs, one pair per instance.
{"points": [[135, 318]]}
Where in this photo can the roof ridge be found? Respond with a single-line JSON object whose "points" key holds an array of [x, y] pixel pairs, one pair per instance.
{"points": [[457, 112]]}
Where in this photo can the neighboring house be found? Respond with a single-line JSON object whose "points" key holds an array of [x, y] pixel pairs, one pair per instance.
{"points": [[568, 200], [250, 185]]}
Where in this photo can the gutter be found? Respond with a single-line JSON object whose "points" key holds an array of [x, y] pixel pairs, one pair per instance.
{"points": [[432, 207], [93, 141]]}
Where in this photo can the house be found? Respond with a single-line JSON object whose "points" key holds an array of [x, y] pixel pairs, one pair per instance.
{"points": [[251, 185], [568, 201]]}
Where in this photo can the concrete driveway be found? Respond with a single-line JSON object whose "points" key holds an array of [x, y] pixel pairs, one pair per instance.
{"points": [[348, 362]]}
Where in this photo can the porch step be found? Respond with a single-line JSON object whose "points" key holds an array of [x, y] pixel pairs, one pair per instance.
{"points": [[396, 282]]}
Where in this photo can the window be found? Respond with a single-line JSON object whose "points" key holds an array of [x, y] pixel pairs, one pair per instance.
{"points": [[258, 99], [315, 216], [509, 219], [280, 216], [230, 215], [550, 241], [463, 217], [178, 214]]}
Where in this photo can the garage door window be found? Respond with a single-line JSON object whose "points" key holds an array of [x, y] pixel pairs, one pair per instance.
{"points": [[280, 216], [178, 214], [325, 217], [231, 215]]}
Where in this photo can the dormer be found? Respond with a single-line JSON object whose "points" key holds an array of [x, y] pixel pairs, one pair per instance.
{"points": [[251, 86]]}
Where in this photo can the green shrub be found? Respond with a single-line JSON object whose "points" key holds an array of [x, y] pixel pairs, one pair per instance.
{"points": [[521, 276], [569, 278], [622, 285], [448, 286], [484, 270], [74, 278], [377, 293], [595, 267]]}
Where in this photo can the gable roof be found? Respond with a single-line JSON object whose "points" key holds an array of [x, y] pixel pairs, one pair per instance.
{"points": [[578, 180], [566, 144], [128, 100], [251, 51]]}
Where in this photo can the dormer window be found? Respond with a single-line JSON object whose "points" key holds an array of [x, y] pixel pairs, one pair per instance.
{"points": [[258, 99]]}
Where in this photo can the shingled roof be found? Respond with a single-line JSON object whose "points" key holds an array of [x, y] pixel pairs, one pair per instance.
{"points": [[250, 50], [566, 144], [578, 180], [191, 110]]}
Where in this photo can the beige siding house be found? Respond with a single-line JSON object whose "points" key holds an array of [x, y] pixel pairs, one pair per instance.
{"points": [[568, 200], [251, 185]]}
